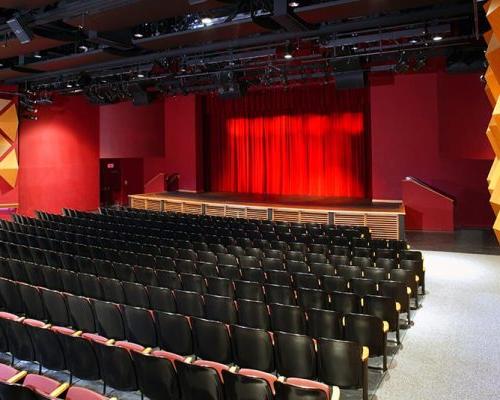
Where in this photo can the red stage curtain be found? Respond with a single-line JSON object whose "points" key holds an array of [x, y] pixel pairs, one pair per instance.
{"points": [[308, 140]]}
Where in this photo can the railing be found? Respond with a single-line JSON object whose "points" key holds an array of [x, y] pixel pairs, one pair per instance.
{"points": [[429, 187]]}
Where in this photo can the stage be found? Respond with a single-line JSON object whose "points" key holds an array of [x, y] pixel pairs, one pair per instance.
{"points": [[385, 219]]}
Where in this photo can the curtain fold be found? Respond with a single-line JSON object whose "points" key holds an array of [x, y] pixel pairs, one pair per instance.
{"points": [[308, 140]]}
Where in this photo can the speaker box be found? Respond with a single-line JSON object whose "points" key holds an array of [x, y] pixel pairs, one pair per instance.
{"points": [[140, 96], [350, 80], [22, 32]]}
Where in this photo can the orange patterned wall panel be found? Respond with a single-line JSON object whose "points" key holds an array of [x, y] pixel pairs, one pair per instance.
{"points": [[492, 8], [8, 133]]}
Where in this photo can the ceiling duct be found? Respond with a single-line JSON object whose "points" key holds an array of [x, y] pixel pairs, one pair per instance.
{"points": [[282, 17]]}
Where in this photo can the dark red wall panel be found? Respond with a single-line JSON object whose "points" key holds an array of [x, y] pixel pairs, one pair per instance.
{"points": [[128, 131], [59, 157], [411, 136]]}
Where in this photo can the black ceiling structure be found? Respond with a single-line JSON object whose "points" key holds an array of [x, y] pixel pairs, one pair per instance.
{"points": [[106, 47]]}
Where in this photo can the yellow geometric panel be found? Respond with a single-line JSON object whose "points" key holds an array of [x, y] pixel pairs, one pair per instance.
{"points": [[493, 13], [493, 134], [490, 96], [487, 36], [493, 55], [495, 200], [496, 228], [9, 168], [494, 175], [9, 122], [492, 83], [4, 146], [3, 103]]}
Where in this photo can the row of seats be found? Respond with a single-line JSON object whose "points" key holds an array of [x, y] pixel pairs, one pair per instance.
{"points": [[196, 302], [159, 374], [20, 385]]}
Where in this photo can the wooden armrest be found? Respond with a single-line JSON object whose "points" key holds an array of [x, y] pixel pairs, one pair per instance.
{"points": [[233, 369], [343, 321], [335, 393], [46, 326], [408, 290], [190, 359], [366, 353], [17, 377], [77, 333], [147, 350], [417, 279], [281, 378], [398, 307], [113, 398], [423, 268], [60, 390], [110, 342], [385, 326], [362, 302]]}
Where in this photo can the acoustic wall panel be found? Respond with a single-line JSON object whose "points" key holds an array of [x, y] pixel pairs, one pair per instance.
{"points": [[9, 123], [492, 76]]}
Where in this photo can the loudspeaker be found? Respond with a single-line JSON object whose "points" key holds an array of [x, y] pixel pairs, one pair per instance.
{"points": [[350, 80], [22, 32], [140, 96]]}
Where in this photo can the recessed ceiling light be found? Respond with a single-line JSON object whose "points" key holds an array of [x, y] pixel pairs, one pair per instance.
{"points": [[294, 4], [437, 38], [138, 35], [37, 55], [206, 21], [140, 75], [354, 47], [69, 85], [414, 41], [83, 48], [288, 56]]}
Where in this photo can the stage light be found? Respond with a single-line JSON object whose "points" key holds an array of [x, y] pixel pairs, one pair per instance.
{"points": [[138, 35], [206, 21], [140, 75], [288, 56], [83, 48], [69, 85], [294, 4], [37, 55], [437, 38], [414, 41]]}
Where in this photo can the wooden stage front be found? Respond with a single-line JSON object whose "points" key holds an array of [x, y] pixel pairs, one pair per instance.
{"points": [[386, 220]]}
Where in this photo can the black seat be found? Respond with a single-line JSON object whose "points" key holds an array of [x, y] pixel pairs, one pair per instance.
{"points": [[349, 271], [198, 382], [322, 269], [70, 282], [305, 280], [354, 361], [109, 320], [168, 279], [81, 313], [253, 348], [220, 308], [140, 326], [220, 287], [386, 308], [300, 389], [81, 357], [295, 355], [231, 272], [189, 303], [249, 290], [253, 314], [334, 284], [399, 292], [55, 307], [387, 264], [279, 294], [274, 264], [286, 318], [113, 290], [247, 385], [117, 367], [375, 274], [32, 300], [136, 294], [253, 275], [161, 299], [369, 331], [362, 262], [312, 298], [211, 340], [324, 324], [294, 266], [282, 278], [185, 266], [179, 343], [193, 283], [156, 376], [124, 272], [146, 276], [207, 269], [345, 302], [363, 286], [49, 350], [91, 286]]}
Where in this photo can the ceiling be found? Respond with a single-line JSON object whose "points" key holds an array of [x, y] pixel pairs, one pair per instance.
{"points": [[171, 43]]}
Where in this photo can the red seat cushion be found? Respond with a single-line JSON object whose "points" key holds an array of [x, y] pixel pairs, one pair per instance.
{"points": [[63, 330], [41, 383], [7, 372], [214, 365], [34, 322], [307, 384], [130, 346], [79, 393], [94, 337], [6, 315], [169, 356]]}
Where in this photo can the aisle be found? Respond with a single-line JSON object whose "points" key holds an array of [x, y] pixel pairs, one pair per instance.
{"points": [[453, 350]]}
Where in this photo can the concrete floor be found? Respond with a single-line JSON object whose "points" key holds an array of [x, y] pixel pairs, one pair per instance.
{"points": [[451, 352]]}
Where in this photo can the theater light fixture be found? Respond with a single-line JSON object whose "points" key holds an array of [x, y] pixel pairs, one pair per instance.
{"points": [[206, 21], [437, 38], [294, 4]]}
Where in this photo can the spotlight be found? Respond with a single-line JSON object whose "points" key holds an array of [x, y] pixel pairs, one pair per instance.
{"points": [[294, 4], [140, 75], [37, 55], [206, 21], [437, 38], [413, 41], [69, 85], [138, 35], [288, 56]]}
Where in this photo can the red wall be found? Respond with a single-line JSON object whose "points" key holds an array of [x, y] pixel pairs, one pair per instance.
{"points": [[59, 157], [128, 131], [431, 126]]}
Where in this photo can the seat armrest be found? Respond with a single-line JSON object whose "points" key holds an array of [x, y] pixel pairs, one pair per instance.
{"points": [[398, 307], [77, 333], [281, 378], [17, 377], [110, 342], [335, 393], [366, 353], [147, 350], [408, 290], [385, 326], [60, 390]]}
